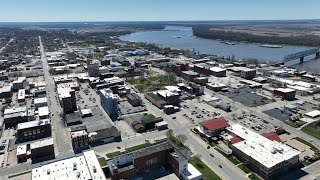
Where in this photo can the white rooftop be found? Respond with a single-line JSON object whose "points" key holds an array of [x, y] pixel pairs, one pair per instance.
{"points": [[21, 94], [40, 100], [191, 172], [68, 84], [86, 111], [78, 133], [108, 93], [83, 167], [15, 110], [166, 93], [41, 143], [285, 90], [173, 88], [217, 69], [43, 111], [64, 92], [30, 124], [267, 152], [21, 149], [314, 113]]}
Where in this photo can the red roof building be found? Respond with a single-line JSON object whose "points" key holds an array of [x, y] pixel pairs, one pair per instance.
{"points": [[214, 126], [235, 139], [271, 136]]}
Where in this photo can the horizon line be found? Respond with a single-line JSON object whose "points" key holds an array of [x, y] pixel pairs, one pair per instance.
{"points": [[158, 21]]}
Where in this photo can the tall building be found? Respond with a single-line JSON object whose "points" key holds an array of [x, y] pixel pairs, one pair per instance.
{"points": [[93, 69], [109, 102], [67, 100]]}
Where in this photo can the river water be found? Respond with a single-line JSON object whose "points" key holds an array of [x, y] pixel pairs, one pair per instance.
{"points": [[182, 38]]}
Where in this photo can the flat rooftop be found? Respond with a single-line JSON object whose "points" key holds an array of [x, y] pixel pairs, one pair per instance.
{"points": [[41, 143], [268, 153], [64, 92], [68, 85], [31, 124], [285, 90], [217, 69], [83, 167], [43, 111], [40, 100]]}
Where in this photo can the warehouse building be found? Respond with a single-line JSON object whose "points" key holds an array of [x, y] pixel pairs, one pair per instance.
{"points": [[285, 93], [268, 158], [134, 99], [85, 166]]}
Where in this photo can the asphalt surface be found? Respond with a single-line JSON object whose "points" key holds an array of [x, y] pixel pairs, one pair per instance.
{"points": [[197, 145], [62, 140]]}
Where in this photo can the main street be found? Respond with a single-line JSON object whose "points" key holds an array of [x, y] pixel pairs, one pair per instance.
{"points": [[62, 140]]}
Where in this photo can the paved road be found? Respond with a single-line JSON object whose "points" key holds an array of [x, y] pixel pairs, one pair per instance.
{"points": [[2, 48], [62, 140], [197, 145]]}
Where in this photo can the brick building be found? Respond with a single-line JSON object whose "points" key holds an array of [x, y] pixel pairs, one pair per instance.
{"points": [[33, 130], [163, 153]]}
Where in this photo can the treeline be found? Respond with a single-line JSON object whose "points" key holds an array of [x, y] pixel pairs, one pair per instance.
{"points": [[205, 32]]}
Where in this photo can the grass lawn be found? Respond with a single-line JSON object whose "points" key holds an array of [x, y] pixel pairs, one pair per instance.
{"points": [[176, 141], [254, 176], [207, 173], [136, 147], [151, 116], [152, 83], [244, 168], [102, 161], [110, 155], [317, 99], [310, 129], [296, 124], [231, 158]]}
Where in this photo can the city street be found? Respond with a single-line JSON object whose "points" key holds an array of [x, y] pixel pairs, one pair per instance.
{"points": [[197, 145], [62, 140]]}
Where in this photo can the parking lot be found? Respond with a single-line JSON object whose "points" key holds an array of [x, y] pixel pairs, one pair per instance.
{"points": [[246, 96], [86, 97], [195, 112], [255, 123]]}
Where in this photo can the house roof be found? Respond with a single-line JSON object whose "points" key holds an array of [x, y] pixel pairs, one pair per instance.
{"points": [[235, 139], [215, 124], [271, 136]]}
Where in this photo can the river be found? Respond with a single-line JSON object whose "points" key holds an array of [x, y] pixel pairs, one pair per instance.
{"points": [[182, 38]]}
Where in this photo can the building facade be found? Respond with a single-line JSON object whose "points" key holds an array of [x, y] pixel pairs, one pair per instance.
{"points": [[33, 130], [109, 102]]}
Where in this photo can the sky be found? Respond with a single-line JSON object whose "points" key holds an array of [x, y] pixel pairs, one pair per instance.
{"points": [[155, 10]]}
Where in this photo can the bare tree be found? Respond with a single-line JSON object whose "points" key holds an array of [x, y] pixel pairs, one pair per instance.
{"points": [[198, 156], [169, 133], [182, 138]]}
